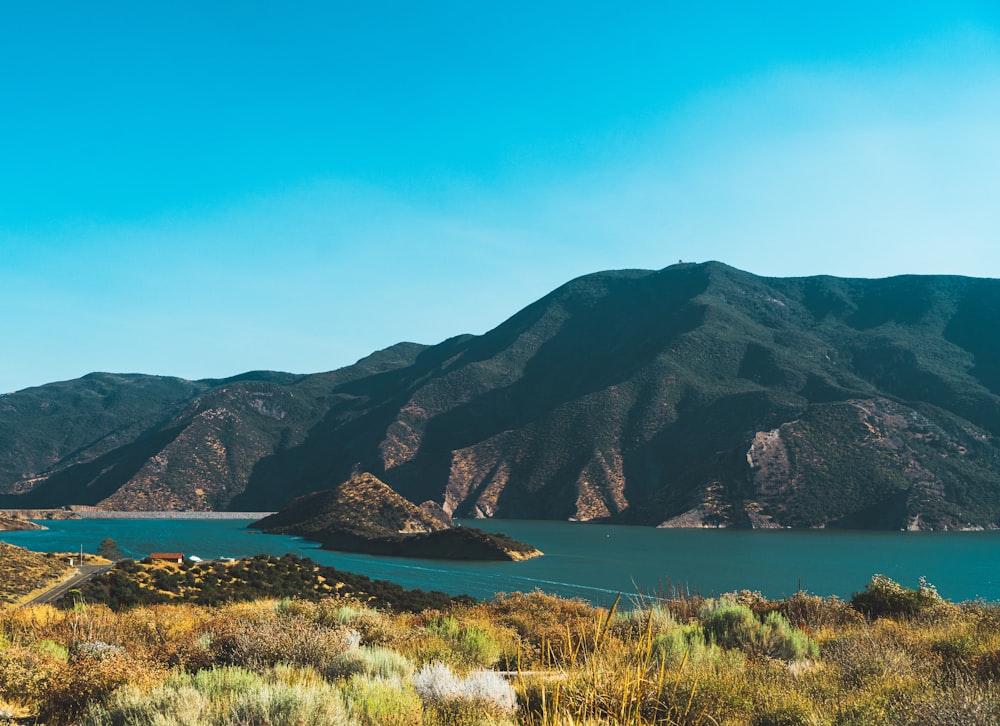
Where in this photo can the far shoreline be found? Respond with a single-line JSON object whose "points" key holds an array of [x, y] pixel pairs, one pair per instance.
{"points": [[50, 514]]}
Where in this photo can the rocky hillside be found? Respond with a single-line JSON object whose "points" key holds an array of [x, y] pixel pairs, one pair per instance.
{"points": [[697, 395], [363, 514], [362, 505]]}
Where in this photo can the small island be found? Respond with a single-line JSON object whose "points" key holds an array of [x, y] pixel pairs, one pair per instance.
{"points": [[364, 514], [16, 524]]}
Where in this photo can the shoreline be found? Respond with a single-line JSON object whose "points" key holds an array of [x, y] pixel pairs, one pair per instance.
{"points": [[107, 514], [102, 514]]}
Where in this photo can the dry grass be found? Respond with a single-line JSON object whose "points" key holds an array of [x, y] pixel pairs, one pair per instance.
{"points": [[23, 573], [572, 664]]}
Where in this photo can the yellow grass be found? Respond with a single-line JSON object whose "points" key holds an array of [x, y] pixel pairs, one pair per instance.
{"points": [[570, 664]]}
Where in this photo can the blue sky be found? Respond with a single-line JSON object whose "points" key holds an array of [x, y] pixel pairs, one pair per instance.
{"points": [[200, 189]]}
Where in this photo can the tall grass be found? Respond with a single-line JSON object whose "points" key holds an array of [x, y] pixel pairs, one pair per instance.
{"points": [[739, 660]]}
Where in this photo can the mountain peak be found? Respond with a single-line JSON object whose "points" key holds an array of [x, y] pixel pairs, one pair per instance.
{"points": [[693, 393]]}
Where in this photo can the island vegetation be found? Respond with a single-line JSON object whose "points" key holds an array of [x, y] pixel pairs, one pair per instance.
{"points": [[343, 655]]}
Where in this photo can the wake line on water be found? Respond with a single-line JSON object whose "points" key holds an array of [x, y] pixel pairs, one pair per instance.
{"points": [[573, 585], [512, 579]]}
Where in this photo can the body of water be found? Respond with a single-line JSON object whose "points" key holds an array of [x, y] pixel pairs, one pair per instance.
{"points": [[596, 562]]}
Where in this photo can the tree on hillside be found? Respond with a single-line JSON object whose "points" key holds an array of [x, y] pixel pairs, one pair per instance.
{"points": [[110, 549]]}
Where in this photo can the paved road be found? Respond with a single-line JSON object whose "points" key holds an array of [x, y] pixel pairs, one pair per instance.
{"points": [[84, 573]]}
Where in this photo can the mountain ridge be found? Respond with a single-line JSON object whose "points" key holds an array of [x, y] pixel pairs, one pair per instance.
{"points": [[695, 395]]}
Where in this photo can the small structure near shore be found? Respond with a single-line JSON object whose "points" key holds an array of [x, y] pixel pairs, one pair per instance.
{"points": [[176, 557]]}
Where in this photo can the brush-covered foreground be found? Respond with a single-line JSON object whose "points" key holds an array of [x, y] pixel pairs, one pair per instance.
{"points": [[892, 655]]}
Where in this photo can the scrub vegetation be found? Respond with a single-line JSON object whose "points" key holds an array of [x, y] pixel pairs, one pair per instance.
{"points": [[891, 655], [262, 576], [23, 572]]}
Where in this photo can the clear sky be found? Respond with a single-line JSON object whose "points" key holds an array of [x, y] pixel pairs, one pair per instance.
{"points": [[203, 188]]}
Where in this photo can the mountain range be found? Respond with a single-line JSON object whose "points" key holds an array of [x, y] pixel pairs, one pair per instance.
{"points": [[696, 395]]}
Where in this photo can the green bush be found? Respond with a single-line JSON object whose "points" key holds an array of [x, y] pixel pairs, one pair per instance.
{"points": [[689, 641], [474, 646], [53, 650], [729, 625], [382, 702], [446, 627], [883, 597], [735, 626], [778, 639]]}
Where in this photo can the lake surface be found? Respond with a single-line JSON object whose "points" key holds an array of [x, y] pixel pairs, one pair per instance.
{"points": [[596, 562]]}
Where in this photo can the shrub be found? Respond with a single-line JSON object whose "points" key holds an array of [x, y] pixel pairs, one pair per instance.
{"points": [[436, 682], [25, 674], [259, 642], [883, 597], [71, 687], [218, 683], [811, 611], [478, 647], [777, 639], [490, 688], [548, 626], [729, 625], [373, 627], [382, 702], [470, 644], [785, 715], [631, 625], [173, 635], [163, 706], [223, 696], [440, 687], [958, 650], [735, 626], [987, 665], [867, 658], [680, 643], [281, 704], [373, 661], [446, 627], [52, 650], [965, 701]]}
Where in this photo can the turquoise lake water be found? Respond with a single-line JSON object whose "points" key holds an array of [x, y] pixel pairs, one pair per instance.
{"points": [[596, 562]]}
